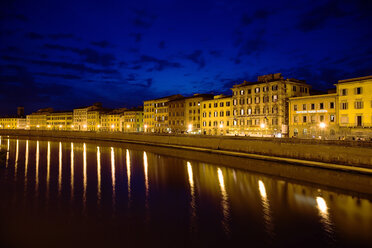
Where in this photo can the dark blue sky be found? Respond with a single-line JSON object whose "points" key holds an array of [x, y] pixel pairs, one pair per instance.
{"points": [[65, 54]]}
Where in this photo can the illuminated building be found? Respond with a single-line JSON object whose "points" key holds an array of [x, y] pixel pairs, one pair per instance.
{"points": [[94, 119], [177, 120], [216, 116], [156, 114], [80, 116], [355, 107], [110, 121], [132, 120], [313, 116], [12, 122], [261, 108], [59, 120], [38, 120]]}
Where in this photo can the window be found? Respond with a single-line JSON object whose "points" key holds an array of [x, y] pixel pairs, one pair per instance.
{"points": [[227, 104], [304, 119], [257, 111], [303, 106], [257, 90], [234, 102], [358, 104], [210, 105], [294, 88], [215, 114], [204, 123], [332, 105], [343, 92], [249, 100], [275, 98], [313, 118], [242, 112], [295, 119], [221, 104], [215, 105], [321, 118], [221, 113], [257, 99], [249, 111], [227, 113], [204, 114], [321, 105], [344, 105], [332, 118], [209, 114], [358, 91], [344, 119], [274, 87], [235, 112], [242, 92], [249, 91], [234, 123], [312, 106]]}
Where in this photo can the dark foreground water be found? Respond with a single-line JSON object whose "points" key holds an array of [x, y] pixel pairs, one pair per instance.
{"points": [[76, 194]]}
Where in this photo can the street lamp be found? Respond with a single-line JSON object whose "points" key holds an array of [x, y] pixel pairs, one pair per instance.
{"points": [[263, 125], [145, 128], [221, 126], [322, 126], [190, 128], [37, 126]]}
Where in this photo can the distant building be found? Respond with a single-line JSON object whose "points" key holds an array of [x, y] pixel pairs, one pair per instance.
{"points": [[313, 116], [80, 116], [217, 117], [261, 108], [132, 120], [60, 120], [38, 120], [14, 122], [355, 107], [156, 114], [110, 121]]}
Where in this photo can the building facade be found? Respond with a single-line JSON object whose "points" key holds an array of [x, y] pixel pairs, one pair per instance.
{"points": [[355, 107], [156, 115], [193, 110], [12, 123], [111, 121], [261, 108], [177, 109], [132, 120], [38, 120], [80, 116], [313, 116], [59, 120], [216, 115]]}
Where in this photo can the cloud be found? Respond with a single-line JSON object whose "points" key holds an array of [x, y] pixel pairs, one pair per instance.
{"points": [[61, 36], [34, 36], [161, 44], [91, 56], [137, 37], [143, 19], [102, 44], [159, 64], [258, 15], [61, 76], [197, 58], [215, 53], [317, 17], [59, 64]]}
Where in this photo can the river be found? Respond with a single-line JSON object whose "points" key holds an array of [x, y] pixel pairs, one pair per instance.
{"points": [[60, 193]]}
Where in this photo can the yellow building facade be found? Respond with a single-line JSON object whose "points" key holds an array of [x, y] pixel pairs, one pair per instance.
{"points": [[313, 116], [156, 115], [132, 121], [261, 108], [59, 120], [38, 120], [355, 107], [80, 116], [216, 115], [12, 123]]}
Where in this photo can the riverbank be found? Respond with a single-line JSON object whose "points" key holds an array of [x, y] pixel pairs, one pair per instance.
{"points": [[351, 156]]}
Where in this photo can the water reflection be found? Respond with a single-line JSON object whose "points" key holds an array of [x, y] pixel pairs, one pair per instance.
{"points": [[7, 154], [26, 165], [72, 169], [16, 160], [113, 176], [224, 202], [324, 215], [48, 170], [266, 209], [60, 168], [145, 167], [37, 167], [98, 175], [192, 195], [128, 174], [84, 175]]}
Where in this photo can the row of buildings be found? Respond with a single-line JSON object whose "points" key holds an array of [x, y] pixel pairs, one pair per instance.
{"points": [[273, 106]]}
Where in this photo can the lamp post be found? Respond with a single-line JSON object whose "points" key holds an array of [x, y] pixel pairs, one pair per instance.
{"points": [[128, 126], [322, 126], [263, 126], [145, 128], [190, 128], [221, 127]]}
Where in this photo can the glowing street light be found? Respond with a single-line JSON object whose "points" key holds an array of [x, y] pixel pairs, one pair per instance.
{"points": [[190, 128], [37, 126], [98, 126], [128, 126], [60, 126], [112, 126], [72, 126], [48, 126], [263, 125], [221, 125], [322, 125], [84, 126]]}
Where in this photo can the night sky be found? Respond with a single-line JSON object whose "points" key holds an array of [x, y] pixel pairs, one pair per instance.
{"points": [[65, 54]]}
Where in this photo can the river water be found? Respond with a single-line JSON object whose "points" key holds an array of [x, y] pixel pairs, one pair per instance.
{"points": [[83, 194]]}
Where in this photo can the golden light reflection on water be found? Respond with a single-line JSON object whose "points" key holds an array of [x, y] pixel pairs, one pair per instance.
{"points": [[98, 175], [72, 170], [60, 168], [48, 170], [266, 209], [128, 173], [84, 175], [192, 195], [145, 168], [7, 154], [324, 215], [16, 160], [26, 165], [113, 176], [224, 202], [37, 167]]}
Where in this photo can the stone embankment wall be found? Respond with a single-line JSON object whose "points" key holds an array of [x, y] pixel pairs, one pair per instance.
{"points": [[351, 153]]}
